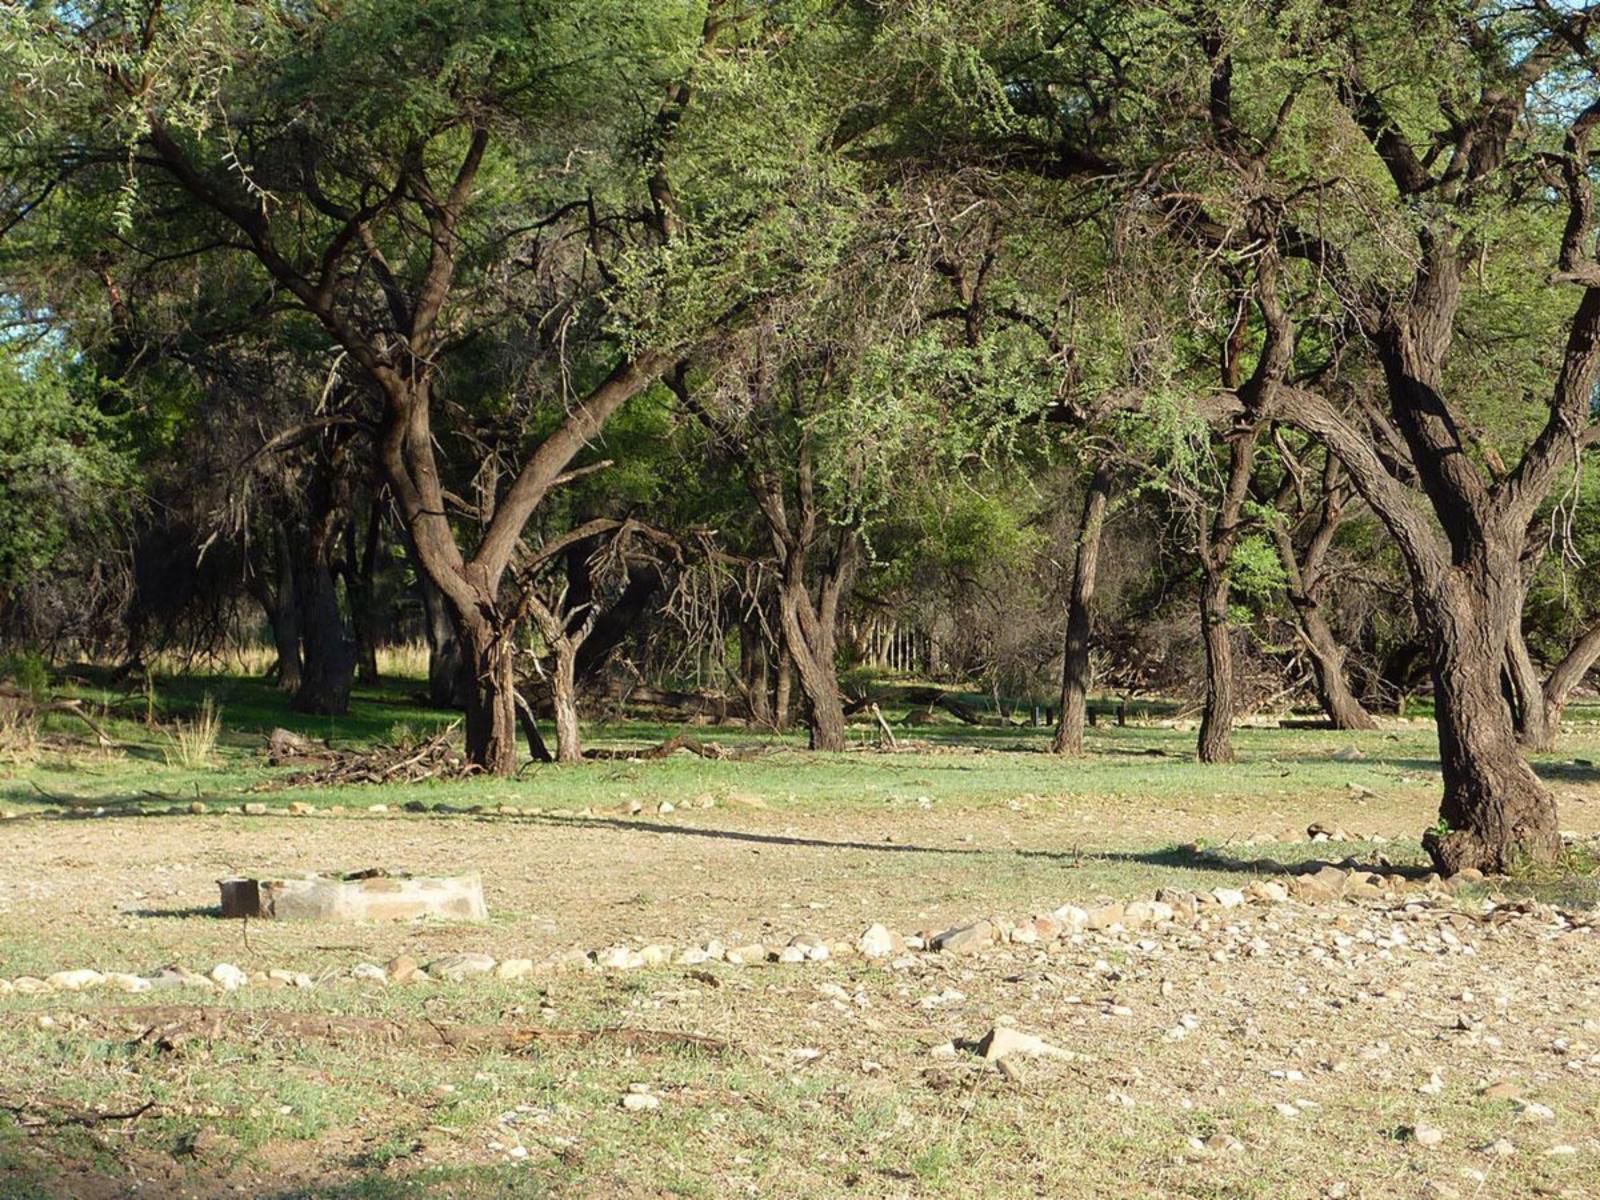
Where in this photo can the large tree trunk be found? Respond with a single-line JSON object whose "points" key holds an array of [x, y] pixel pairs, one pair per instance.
{"points": [[1216, 719], [491, 725], [1495, 812], [1075, 657]]}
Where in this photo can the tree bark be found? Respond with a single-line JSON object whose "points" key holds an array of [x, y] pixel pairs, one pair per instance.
{"points": [[1080, 605], [491, 724], [1216, 718], [330, 654], [1344, 711], [1495, 813], [359, 580], [447, 662], [1568, 673], [282, 602], [1215, 743], [1524, 690], [564, 702]]}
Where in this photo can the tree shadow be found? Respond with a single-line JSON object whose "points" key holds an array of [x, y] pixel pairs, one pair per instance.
{"points": [[1177, 858]]}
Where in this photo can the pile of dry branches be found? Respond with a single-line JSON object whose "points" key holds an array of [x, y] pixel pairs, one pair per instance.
{"points": [[433, 758]]}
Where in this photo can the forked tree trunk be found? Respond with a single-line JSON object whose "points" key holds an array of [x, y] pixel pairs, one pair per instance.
{"points": [[1216, 719], [755, 673], [491, 724], [1080, 614]]}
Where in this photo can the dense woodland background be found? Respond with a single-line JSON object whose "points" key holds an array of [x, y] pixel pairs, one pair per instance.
{"points": [[726, 357]]}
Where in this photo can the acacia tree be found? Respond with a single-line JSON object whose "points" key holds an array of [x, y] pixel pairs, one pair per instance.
{"points": [[398, 173]]}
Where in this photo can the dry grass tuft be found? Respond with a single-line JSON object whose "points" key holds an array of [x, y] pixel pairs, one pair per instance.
{"points": [[193, 744]]}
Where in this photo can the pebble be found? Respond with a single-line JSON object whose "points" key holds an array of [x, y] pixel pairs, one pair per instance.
{"points": [[369, 971], [640, 1102], [741, 956], [402, 968], [228, 977], [966, 938], [513, 968]]}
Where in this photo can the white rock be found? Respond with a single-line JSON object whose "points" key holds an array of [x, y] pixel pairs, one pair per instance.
{"points": [[1003, 1040], [1426, 1135], [123, 982], [75, 981], [228, 977], [1228, 897], [369, 971], [640, 1102], [513, 968], [1529, 1111], [878, 942]]}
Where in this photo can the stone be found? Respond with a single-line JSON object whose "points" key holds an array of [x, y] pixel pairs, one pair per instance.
{"points": [[363, 896], [1228, 897], [1183, 904], [1072, 918], [198, 808], [1423, 1135], [253, 810], [966, 938], [294, 979], [656, 956], [880, 942], [1325, 884], [692, 956], [174, 976], [791, 954], [402, 968], [369, 971], [1136, 913], [741, 956], [300, 808], [74, 981], [1499, 1148], [620, 958], [453, 968], [666, 807], [1223, 1143], [640, 1102], [1003, 1040], [1266, 891], [27, 985], [813, 947], [123, 982], [513, 968], [228, 977], [1527, 1110]]}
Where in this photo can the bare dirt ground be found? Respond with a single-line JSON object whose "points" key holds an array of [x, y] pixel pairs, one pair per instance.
{"points": [[1388, 1047]]}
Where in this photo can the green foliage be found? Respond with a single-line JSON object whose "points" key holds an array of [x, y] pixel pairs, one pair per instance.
{"points": [[65, 473]]}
